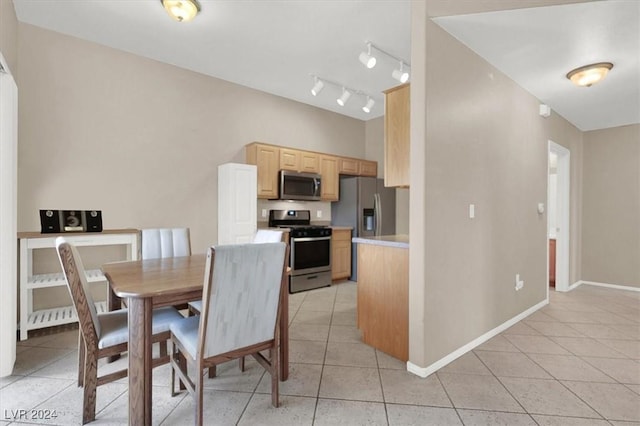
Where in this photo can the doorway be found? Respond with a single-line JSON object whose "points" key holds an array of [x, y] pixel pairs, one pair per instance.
{"points": [[558, 207]]}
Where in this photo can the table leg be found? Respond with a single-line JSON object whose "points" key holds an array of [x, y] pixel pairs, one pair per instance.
{"points": [[284, 337], [140, 360]]}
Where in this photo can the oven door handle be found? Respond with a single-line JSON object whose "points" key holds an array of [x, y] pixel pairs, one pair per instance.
{"points": [[302, 240]]}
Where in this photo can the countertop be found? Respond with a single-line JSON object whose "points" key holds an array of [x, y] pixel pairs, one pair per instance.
{"points": [[342, 228], [397, 241]]}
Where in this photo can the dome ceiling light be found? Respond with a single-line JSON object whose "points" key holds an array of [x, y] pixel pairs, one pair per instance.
{"points": [[589, 74], [181, 10]]}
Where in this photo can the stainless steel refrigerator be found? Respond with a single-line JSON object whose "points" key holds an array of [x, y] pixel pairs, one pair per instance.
{"points": [[368, 207]]}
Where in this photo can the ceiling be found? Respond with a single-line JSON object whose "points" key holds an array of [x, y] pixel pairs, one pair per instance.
{"points": [[537, 47], [272, 46], [275, 46]]}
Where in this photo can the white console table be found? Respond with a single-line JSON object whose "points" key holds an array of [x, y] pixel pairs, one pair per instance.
{"points": [[29, 241]]}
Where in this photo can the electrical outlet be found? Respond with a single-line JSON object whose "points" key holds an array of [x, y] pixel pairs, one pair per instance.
{"points": [[319, 214], [472, 211], [519, 282], [264, 212]]}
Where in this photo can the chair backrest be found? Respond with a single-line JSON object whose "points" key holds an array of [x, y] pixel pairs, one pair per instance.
{"points": [[168, 242], [241, 296], [267, 236], [78, 286]]}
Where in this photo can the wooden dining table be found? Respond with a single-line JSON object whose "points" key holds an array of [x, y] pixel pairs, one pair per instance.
{"points": [[153, 283]]}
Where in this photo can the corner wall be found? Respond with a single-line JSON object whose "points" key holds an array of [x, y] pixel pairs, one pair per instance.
{"points": [[611, 207], [483, 143]]}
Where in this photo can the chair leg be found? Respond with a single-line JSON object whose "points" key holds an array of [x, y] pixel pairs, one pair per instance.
{"points": [[81, 359], [241, 363], [212, 372], [275, 377], [199, 385], [173, 372], [90, 385]]}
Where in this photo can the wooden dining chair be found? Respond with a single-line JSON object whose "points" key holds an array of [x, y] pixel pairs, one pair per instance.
{"points": [[102, 335], [165, 242], [162, 243], [244, 286], [261, 236]]}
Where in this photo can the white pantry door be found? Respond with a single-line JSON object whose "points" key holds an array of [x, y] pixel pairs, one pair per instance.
{"points": [[237, 203], [8, 217]]}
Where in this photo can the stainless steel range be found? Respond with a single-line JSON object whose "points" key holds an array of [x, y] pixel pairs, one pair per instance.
{"points": [[310, 249]]}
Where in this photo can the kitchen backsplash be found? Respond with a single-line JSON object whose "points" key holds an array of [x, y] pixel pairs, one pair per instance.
{"points": [[321, 207]]}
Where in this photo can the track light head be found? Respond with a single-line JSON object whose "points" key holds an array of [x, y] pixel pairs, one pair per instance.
{"points": [[317, 87], [400, 74], [369, 105], [342, 100], [367, 59]]}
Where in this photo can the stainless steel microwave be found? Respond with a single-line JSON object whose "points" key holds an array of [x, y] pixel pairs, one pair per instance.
{"points": [[300, 186]]}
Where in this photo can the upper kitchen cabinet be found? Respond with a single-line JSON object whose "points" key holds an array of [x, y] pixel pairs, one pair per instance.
{"points": [[330, 179], [355, 167], [396, 136], [368, 168], [299, 161], [267, 158]]}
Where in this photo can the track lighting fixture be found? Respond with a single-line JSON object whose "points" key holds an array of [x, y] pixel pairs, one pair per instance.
{"points": [[342, 100], [400, 74], [181, 10], [370, 103], [367, 59], [345, 92], [317, 86]]}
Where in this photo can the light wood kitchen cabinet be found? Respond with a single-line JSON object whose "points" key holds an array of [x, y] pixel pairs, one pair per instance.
{"points": [[355, 167], [340, 254], [267, 158], [330, 179], [383, 298], [348, 166], [396, 136], [299, 161], [368, 168]]}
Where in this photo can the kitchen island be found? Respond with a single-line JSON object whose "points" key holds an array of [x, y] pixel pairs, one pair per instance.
{"points": [[383, 293]]}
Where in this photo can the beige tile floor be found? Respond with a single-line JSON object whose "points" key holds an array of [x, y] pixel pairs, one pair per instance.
{"points": [[574, 362]]}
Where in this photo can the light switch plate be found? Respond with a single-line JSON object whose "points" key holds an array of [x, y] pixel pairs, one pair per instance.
{"points": [[319, 214], [472, 211], [264, 212]]}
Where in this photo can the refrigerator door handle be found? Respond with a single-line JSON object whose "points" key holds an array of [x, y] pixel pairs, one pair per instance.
{"points": [[377, 213]]}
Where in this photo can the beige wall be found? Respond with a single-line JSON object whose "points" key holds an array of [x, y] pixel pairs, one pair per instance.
{"points": [[9, 34], [141, 140], [611, 207], [481, 141]]}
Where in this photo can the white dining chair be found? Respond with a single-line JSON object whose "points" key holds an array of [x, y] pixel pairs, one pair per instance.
{"points": [[165, 242], [244, 285], [261, 236]]}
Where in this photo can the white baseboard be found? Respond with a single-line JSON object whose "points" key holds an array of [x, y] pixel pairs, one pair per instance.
{"points": [[615, 286], [575, 285], [427, 371]]}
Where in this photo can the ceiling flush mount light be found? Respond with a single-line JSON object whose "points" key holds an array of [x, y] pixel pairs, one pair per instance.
{"points": [[317, 86], [181, 10], [400, 74], [366, 58], [342, 100], [369, 105], [589, 74]]}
